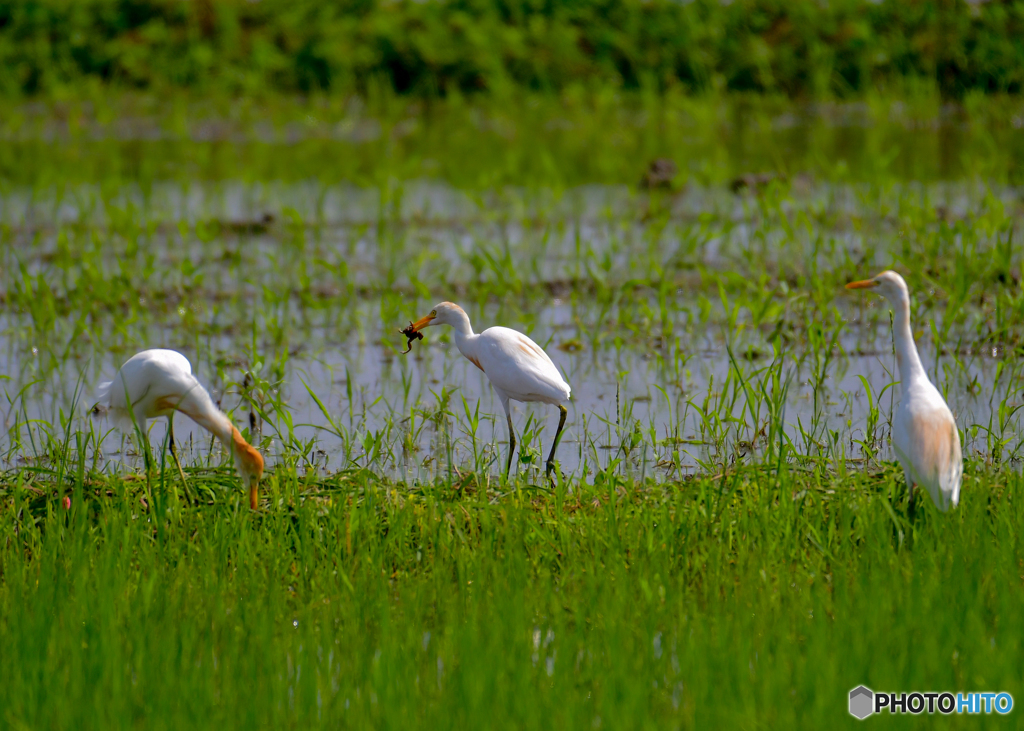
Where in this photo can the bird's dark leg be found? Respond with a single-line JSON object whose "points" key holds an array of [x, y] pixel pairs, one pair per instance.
{"points": [[174, 452], [554, 445], [511, 444], [142, 435]]}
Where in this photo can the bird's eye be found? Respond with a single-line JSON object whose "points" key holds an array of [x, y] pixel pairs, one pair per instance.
{"points": [[433, 313]]}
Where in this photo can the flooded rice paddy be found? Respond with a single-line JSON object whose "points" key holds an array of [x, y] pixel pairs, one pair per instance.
{"points": [[698, 326]]}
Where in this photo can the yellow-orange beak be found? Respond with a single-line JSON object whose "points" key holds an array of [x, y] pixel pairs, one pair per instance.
{"points": [[421, 323], [863, 284]]}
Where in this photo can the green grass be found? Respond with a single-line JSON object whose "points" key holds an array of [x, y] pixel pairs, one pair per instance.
{"points": [[749, 599]]}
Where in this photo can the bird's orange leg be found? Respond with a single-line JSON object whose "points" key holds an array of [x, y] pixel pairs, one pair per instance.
{"points": [[554, 445]]}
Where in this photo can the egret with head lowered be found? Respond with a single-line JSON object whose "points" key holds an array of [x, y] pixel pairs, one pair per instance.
{"points": [[157, 383], [924, 433], [517, 367]]}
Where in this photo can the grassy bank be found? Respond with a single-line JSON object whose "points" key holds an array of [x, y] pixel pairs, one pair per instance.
{"points": [[748, 598]]}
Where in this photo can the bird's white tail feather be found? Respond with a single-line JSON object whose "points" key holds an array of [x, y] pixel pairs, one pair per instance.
{"points": [[103, 393], [120, 416], [102, 405]]}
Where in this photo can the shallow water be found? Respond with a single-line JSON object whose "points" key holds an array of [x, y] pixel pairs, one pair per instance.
{"points": [[337, 281], [389, 388]]}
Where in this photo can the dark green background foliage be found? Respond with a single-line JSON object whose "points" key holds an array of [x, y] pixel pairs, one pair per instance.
{"points": [[427, 48]]}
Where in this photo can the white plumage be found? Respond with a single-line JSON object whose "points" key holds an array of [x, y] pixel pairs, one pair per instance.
{"points": [[516, 366], [157, 383], [924, 433]]}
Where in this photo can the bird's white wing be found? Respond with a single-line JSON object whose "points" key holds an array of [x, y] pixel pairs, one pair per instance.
{"points": [[933, 446], [147, 380], [157, 372], [519, 367], [901, 441], [953, 478]]}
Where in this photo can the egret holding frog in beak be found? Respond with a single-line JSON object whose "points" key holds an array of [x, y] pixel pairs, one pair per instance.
{"points": [[516, 366]]}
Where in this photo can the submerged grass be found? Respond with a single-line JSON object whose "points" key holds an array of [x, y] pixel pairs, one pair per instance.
{"points": [[750, 598]]}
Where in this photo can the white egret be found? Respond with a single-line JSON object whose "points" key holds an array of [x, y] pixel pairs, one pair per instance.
{"points": [[924, 432], [516, 366], [159, 382]]}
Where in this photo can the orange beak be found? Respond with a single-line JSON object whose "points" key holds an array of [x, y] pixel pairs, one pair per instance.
{"points": [[421, 323], [863, 284]]}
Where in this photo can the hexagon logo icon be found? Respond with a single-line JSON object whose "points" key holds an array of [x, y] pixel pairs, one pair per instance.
{"points": [[862, 702]]}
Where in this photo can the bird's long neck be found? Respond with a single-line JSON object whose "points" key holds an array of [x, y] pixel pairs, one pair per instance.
{"points": [[199, 407], [465, 338], [907, 359], [221, 425]]}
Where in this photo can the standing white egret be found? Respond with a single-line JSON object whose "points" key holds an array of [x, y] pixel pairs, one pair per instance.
{"points": [[159, 382], [516, 366], [924, 432]]}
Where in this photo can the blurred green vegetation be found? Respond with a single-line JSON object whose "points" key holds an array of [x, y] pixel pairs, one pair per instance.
{"points": [[801, 49]]}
